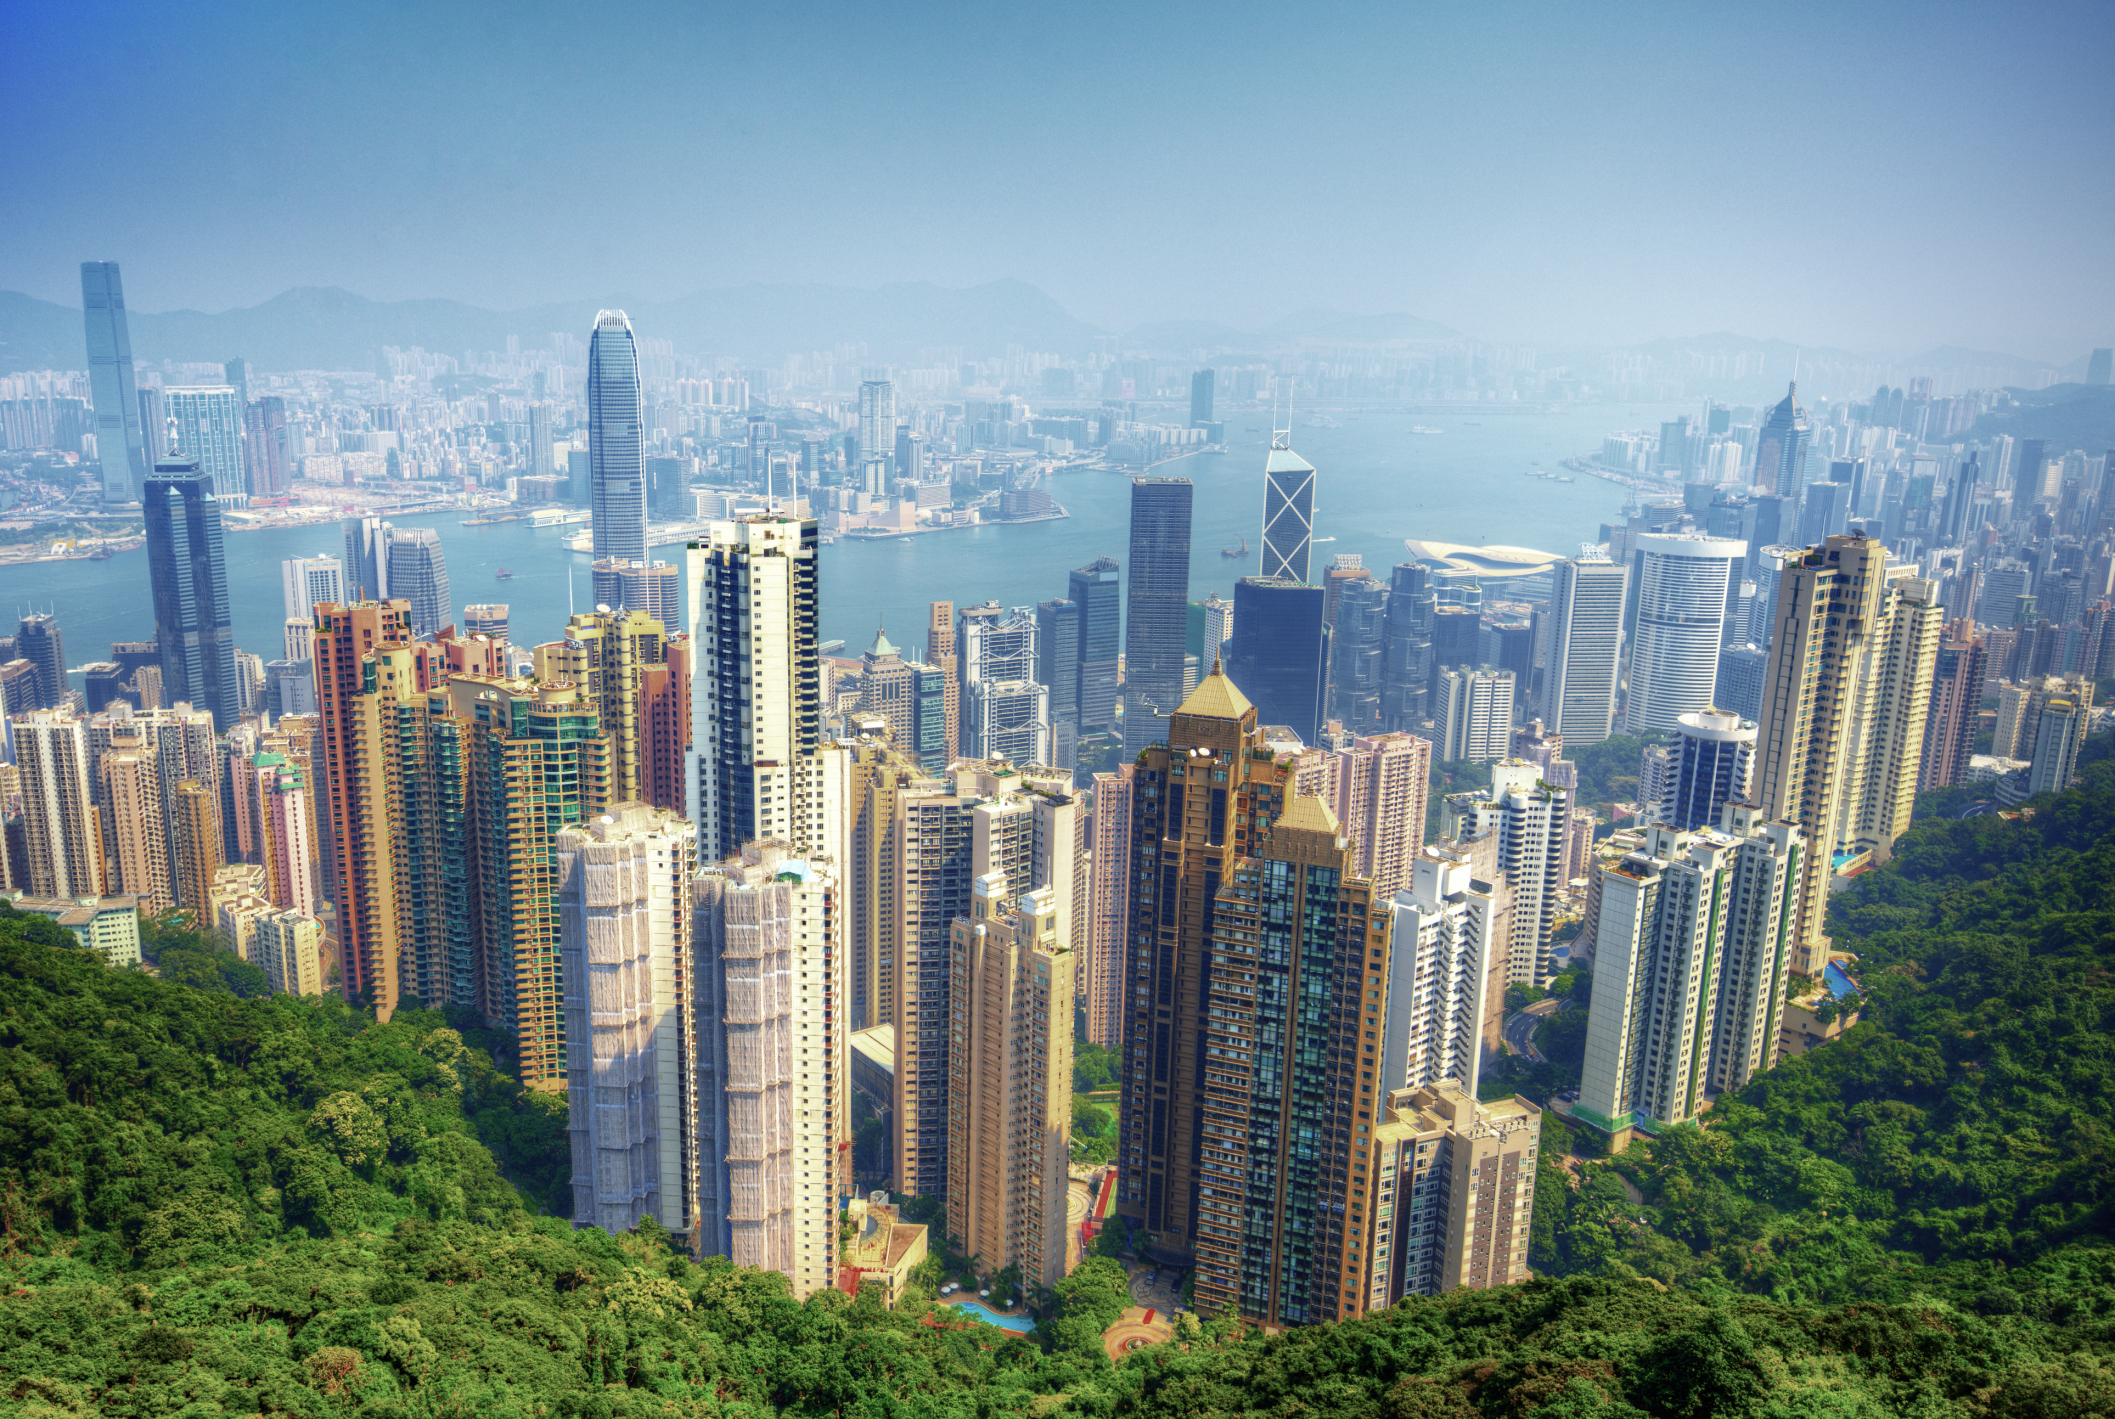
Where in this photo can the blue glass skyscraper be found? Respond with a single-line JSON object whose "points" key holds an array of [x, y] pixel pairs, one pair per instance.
{"points": [[616, 448], [188, 564], [120, 444]]}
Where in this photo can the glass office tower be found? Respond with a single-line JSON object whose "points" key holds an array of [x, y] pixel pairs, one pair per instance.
{"points": [[189, 568], [616, 451], [120, 442]]}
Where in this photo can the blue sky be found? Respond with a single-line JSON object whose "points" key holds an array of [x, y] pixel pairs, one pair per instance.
{"points": [[1884, 176]]}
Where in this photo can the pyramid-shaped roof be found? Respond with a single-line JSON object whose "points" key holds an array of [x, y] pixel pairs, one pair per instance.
{"points": [[1216, 697], [882, 645], [1309, 813]]}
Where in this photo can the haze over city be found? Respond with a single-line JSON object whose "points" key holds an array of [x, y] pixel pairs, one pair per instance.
{"points": [[1883, 178]]}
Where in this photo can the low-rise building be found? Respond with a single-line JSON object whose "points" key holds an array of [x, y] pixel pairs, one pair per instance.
{"points": [[110, 925], [884, 1249]]}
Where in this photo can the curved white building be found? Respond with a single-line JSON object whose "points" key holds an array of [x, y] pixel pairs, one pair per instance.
{"points": [[1680, 626]]}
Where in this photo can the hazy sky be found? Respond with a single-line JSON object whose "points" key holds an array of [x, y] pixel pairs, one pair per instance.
{"points": [[1874, 176]]}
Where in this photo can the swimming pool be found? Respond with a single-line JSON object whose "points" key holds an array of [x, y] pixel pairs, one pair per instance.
{"points": [[1839, 983], [980, 1311]]}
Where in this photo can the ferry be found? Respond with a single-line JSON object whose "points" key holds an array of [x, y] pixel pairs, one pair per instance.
{"points": [[1230, 553], [503, 575], [1421, 429]]}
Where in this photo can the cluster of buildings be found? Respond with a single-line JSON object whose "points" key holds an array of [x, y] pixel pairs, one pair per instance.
{"points": [[682, 872]]}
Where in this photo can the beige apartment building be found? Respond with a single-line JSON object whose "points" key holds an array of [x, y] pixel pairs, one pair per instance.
{"points": [[1845, 698], [1010, 1081]]}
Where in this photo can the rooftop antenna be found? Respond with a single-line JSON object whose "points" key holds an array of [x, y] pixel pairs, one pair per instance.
{"points": [[1280, 437], [569, 591]]}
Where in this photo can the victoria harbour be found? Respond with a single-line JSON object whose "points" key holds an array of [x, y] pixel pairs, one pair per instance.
{"points": [[1378, 483]]}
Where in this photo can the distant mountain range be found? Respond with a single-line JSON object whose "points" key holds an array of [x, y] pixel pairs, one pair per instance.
{"points": [[314, 327], [325, 327]]}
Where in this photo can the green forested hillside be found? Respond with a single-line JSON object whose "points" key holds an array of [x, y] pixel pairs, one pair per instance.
{"points": [[219, 1205]]}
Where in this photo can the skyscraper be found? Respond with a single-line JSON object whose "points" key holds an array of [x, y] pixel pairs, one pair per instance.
{"points": [[1057, 655], [1475, 714], [267, 448], [1843, 714], [616, 439], [418, 573], [877, 776], [624, 934], [355, 790], [120, 441], [1691, 948], [1288, 510], [1202, 388], [1158, 608], [1526, 817], [308, 582], [60, 825], [1294, 940], [1198, 802], [39, 642], [1357, 639], [1714, 756], [1406, 649], [986, 817], [188, 567], [1585, 650], [1443, 934], [1781, 448], [771, 1086], [208, 423], [1010, 1080], [940, 650], [366, 563], [1954, 716], [1109, 909], [764, 770], [877, 431], [1097, 589], [1279, 652], [607, 654], [1381, 784], [1683, 583], [1005, 710]]}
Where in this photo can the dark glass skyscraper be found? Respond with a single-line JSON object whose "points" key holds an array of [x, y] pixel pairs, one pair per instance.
{"points": [[1279, 652], [616, 452], [1406, 649], [1357, 636], [1057, 637], [1097, 589], [418, 573], [1201, 390], [189, 568], [1159, 608], [38, 641], [120, 445]]}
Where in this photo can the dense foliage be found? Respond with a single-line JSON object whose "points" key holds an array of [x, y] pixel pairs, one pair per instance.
{"points": [[217, 1204]]}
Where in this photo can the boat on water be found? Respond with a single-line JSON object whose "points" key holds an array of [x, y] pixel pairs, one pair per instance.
{"points": [[503, 575], [1421, 429], [1232, 552], [1312, 541], [101, 554]]}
